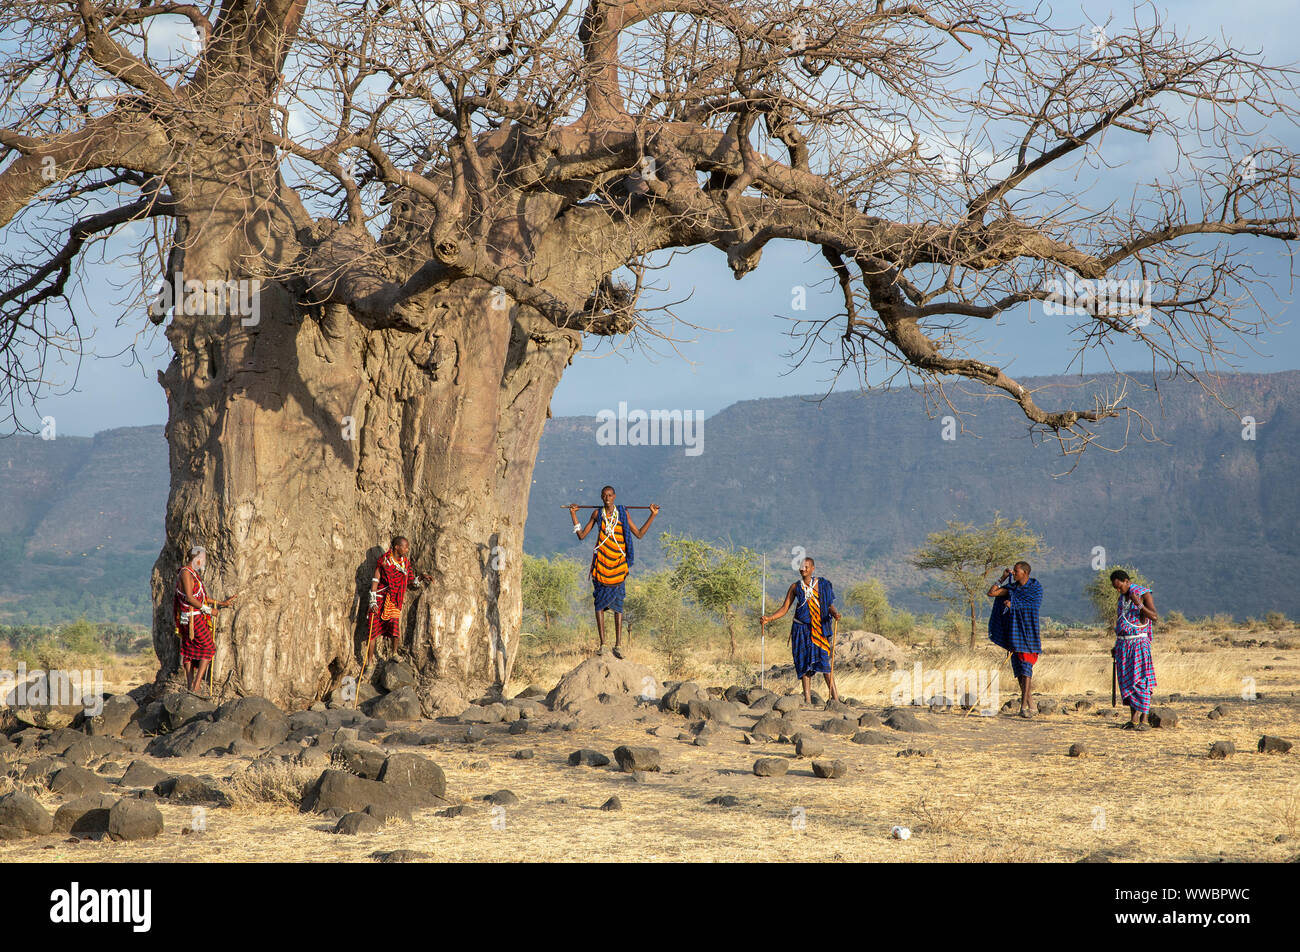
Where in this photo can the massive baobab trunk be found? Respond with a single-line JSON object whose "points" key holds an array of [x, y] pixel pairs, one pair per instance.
{"points": [[301, 442]]}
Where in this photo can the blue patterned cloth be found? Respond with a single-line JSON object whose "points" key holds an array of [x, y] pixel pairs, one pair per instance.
{"points": [[608, 597], [809, 657], [1013, 623], [1135, 672]]}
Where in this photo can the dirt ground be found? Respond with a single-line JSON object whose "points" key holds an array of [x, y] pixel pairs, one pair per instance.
{"points": [[990, 788]]}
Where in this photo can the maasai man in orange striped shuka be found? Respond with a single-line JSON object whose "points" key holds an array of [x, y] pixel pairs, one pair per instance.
{"points": [[194, 611], [393, 575], [611, 561], [810, 633]]}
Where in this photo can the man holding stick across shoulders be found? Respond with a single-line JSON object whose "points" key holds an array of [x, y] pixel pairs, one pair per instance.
{"points": [[1013, 626], [194, 613], [1135, 614], [813, 599], [611, 561]]}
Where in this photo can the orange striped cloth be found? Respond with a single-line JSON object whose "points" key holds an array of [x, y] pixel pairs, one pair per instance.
{"points": [[815, 614], [609, 566]]}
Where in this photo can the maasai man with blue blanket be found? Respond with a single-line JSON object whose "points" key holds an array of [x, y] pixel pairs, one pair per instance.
{"points": [[810, 632], [1135, 613], [1013, 626], [611, 560]]}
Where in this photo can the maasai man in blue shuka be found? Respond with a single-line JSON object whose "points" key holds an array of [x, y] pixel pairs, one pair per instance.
{"points": [[611, 560], [810, 632], [1134, 617], [1013, 626]]}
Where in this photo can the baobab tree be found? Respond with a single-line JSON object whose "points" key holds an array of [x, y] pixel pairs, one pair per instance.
{"points": [[383, 229]]}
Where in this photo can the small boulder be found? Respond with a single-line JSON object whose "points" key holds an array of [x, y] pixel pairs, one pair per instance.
{"points": [[587, 758], [788, 704], [839, 725], [829, 769], [1162, 717], [870, 737], [396, 674], [358, 757], [1268, 744], [907, 722], [1222, 750], [73, 781], [613, 803], [502, 798], [22, 815], [806, 745], [85, 815], [400, 705], [132, 819], [118, 711], [633, 759], [352, 824], [197, 738], [412, 770], [1078, 750], [187, 789], [770, 766]]}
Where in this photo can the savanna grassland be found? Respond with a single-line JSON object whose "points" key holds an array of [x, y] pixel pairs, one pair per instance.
{"points": [[985, 788]]}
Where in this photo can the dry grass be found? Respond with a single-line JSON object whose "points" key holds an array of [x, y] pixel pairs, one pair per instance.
{"points": [[267, 786], [934, 815], [1287, 814], [993, 789]]}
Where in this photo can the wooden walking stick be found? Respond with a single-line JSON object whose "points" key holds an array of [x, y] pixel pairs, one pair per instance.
{"points": [[370, 640], [1114, 679], [762, 636], [835, 627]]}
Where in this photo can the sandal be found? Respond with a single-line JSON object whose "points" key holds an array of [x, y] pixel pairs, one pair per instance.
{"points": [[618, 652]]}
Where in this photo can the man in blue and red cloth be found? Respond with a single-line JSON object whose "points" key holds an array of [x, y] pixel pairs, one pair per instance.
{"points": [[393, 575], [1013, 626], [810, 632], [611, 561]]}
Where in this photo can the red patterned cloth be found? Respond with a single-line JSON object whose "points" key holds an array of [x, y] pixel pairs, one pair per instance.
{"points": [[395, 574], [194, 627]]}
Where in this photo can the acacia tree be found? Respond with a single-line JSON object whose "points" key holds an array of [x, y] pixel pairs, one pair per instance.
{"points": [[965, 556], [719, 579], [438, 203]]}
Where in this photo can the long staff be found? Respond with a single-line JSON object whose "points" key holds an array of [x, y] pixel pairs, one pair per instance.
{"points": [[762, 640], [370, 641], [577, 506]]}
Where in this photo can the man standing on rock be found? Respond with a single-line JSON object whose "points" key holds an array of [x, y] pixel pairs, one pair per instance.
{"points": [[810, 634], [194, 611], [611, 561], [1013, 626], [1135, 613], [393, 575]]}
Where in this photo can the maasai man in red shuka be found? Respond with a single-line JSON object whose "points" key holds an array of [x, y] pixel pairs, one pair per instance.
{"points": [[810, 632], [1134, 618], [393, 575], [611, 561], [194, 612]]}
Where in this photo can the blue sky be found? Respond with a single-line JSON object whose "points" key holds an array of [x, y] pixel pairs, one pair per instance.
{"points": [[738, 349]]}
